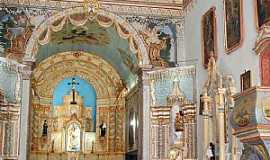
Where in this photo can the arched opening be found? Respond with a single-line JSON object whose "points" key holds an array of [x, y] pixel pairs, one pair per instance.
{"points": [[104, 51], [96, 83], [100, 50]]}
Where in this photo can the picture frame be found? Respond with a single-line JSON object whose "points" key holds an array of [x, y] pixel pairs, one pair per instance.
{"points": [[262, 12], [233, 24], [209, 36], [245, 79]]}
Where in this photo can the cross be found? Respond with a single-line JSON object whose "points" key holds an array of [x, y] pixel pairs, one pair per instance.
{"points": [[73, 84]]}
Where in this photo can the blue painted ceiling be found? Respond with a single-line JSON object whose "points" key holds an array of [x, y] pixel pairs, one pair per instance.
{"points": [[94, 39]]}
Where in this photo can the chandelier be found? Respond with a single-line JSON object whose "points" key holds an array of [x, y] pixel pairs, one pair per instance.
{"points": [[92, 6]]}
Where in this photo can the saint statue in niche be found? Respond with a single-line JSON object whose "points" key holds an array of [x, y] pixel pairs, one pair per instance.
{"points": [[45, 129], [88, 125], [179, 125], [102, 128], [211, 151], [74, 137]]}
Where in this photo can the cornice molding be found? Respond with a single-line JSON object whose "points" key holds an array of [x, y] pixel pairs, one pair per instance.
{"points": [[163, 9]]}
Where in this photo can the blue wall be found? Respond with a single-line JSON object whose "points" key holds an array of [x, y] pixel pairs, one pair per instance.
{"points": [[84, 89]]}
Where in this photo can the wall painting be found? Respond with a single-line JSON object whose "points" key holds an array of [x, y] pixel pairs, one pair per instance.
{"points": [[263, 12], [209, 36], [233, 24]]}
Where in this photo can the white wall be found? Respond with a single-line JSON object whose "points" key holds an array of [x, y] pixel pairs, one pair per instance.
{"points": [[244, 58]]}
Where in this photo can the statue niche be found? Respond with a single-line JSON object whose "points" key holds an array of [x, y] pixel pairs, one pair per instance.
{"points": [[73, 127]]}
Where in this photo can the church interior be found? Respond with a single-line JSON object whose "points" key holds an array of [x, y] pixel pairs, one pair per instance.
{"points": [[134, 79]]}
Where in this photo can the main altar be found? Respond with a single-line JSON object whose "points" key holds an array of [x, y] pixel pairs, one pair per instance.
{"points": [[68, 131], [72, 126]]}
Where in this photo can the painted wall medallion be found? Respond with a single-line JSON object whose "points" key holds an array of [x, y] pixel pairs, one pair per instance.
{"points": [[209, 36], [241, 115], [233, 24], [266, 108]]}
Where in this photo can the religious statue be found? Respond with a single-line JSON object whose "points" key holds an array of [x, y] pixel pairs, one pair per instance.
{"points": [[155, 45], [74, 137], [175, 154], [102, 128], [88, 125], [73, 87], [179, 126], [45, 129], [211, 151]]}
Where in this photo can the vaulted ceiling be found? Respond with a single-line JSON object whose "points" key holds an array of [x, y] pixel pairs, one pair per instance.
{"points": [[93, 39], [90, 67]]}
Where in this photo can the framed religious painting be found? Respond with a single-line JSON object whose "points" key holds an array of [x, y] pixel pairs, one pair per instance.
{"points": [[233, 24], [245, 80], [209, 38], [263, 12]]}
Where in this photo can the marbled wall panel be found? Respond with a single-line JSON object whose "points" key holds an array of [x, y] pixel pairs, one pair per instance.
{"points": [[8, 82]]}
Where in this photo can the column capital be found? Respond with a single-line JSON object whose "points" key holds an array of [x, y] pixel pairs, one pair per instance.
{"points": [[27, 70], [143, 78]]}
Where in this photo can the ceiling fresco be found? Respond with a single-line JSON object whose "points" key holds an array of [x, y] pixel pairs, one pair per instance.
{"points": [[93, 39]]}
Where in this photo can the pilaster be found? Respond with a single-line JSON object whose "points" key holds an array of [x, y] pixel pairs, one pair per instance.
{"points": [[144, 115], [25, 112], [180, 50], [221, 108]]}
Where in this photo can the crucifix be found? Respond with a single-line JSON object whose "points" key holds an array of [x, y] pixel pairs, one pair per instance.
{"points": [[73, 84]]}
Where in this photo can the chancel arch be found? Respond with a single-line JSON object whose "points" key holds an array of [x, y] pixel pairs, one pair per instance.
{"points": [[53, 126], [100, 48]]}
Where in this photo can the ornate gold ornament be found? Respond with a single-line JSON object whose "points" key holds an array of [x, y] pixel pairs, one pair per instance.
{"points": [[92, 6]]}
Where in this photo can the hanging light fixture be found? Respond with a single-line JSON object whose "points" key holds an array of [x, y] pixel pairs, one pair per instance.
{"points": [[92, 6]]}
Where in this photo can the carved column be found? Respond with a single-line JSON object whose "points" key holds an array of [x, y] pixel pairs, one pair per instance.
{"points": [[221, 137], [25, 112], [205, 99], [190, 114], [234, 147]]}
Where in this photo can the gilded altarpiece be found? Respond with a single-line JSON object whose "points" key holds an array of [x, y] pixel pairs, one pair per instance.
{"points": [[170, 87], [41, 112], [114, 140]]}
